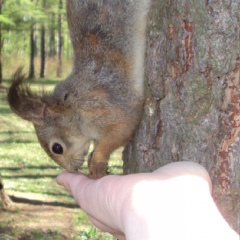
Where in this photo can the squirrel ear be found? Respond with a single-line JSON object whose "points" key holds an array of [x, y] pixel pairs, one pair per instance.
{"points": [[23, 102], [55, 109]]}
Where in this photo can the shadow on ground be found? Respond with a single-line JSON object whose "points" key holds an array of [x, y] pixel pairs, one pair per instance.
{"points": [[40, 203]]}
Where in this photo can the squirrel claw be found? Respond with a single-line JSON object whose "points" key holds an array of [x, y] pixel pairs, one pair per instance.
{"points": [[97, 169]]}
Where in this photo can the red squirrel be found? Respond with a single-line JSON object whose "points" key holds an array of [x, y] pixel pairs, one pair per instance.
{"points": [[102, 99]]}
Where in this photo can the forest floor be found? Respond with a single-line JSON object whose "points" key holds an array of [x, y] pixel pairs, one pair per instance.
{"points": [[39, 220], [35, 216]]}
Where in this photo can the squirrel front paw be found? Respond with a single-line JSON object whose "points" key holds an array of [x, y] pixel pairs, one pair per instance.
{"points": [[97, 169]]}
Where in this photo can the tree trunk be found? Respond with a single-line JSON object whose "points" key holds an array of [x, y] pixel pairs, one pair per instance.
{"points": [[6, 201], [52, 43], [42, 67], [192, 110], [32, 54], [60, 40]]}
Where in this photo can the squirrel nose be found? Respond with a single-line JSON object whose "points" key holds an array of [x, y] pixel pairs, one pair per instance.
{"points": [[77, 163]]}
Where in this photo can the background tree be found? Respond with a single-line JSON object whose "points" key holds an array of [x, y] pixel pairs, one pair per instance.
{"points": [[42, 67], [24, 18], [32, 52], [60, 39], [52, 40], [192, 110]]}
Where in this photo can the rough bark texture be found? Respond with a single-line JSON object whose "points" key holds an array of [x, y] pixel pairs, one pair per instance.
{"points": [[192, 110]]}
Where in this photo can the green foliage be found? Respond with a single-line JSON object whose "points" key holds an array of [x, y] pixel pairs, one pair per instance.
{"points": [[17, 19], [89, 234], [5, 20], [19, 14]]}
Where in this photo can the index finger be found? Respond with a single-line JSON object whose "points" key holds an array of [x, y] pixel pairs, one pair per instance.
{"points": [[71, 181]]}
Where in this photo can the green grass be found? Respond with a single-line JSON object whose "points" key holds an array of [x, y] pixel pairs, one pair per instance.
{"points": [[25, 168]]}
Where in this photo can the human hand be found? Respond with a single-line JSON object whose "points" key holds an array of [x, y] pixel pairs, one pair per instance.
{"points": [[173, 202]]}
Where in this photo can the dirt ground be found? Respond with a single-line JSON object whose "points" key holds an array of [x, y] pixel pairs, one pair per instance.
{"points": [[38, 220]]}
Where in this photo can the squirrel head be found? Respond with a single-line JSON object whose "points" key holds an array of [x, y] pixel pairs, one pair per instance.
{"points": [[57, 126]]}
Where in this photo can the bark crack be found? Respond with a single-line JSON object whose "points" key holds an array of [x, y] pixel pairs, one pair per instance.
{"points": [[231, 125], [187, 26]]}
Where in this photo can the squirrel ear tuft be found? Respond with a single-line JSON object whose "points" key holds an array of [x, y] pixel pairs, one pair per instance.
{"points": [[23, 101]]}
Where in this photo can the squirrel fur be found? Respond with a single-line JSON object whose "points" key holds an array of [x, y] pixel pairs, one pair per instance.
{"points": [[102, 99]]}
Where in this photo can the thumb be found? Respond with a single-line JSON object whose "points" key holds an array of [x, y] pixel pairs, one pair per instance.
{"points": [[73, 183], [101, 199]]}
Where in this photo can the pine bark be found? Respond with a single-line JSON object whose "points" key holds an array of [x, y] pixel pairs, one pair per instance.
{"points": [[192, 110]]}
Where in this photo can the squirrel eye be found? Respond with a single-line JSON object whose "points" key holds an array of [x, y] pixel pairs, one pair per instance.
{"points": [[57, 148]]}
